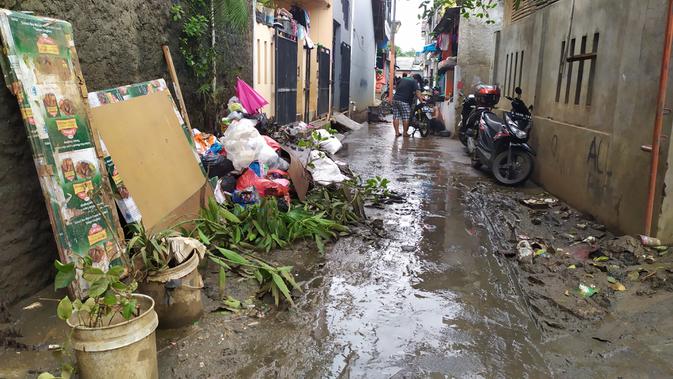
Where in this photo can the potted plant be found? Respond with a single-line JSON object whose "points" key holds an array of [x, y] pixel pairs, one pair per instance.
{"points": [[113, 329], [166, 267]]}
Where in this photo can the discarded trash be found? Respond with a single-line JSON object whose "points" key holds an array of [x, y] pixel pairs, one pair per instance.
{"points": [[586, 291], [633, 275], [32, 306], [611, 279], [324, 170], [602, 258], [572, 267], [650, 241], [581, 226], [617, 286], [541, 202], [328, 142], [524, 252]]}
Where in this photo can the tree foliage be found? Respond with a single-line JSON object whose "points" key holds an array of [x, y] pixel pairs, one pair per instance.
{"points": [[468, 8]]}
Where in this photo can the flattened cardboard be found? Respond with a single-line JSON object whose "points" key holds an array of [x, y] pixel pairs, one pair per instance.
{"points": [[301, 179], [144, 138]]}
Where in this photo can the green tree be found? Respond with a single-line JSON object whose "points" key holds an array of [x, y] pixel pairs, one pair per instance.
{"points": [[475, 8], [201, 21]]}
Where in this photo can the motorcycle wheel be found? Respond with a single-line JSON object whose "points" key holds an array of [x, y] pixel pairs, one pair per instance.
{"points": [[515, 172], [423, 126]]}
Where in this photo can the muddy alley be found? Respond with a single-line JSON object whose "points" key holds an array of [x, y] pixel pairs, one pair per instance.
{"points": [[422, 292], [427, 288]]}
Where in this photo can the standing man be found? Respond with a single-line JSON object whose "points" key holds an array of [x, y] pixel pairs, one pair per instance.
{"points": [[406, 92]]}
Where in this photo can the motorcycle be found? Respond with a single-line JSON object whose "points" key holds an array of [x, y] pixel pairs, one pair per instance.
{"points": [[469, 106], [420, 120], [502, 145]]}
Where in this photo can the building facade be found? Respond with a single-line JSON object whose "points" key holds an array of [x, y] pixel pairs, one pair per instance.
{"points": [[591, 70], [314, 57]]}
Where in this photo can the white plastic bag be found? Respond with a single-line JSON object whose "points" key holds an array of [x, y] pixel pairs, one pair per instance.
{"points": [[331, 144], [324, 170], [242, 143]]}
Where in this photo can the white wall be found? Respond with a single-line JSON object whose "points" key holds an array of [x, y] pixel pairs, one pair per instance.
{"points": [[363, 55]]}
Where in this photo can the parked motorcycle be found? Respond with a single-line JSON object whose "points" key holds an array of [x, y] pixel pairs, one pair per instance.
{"points": [[502, 145], [469, 106]]}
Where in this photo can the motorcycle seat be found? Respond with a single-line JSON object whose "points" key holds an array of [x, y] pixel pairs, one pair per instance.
{"points": [[493, 121]]}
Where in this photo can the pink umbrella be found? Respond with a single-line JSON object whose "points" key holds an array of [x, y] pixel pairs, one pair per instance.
{"points": [[251, 100]]}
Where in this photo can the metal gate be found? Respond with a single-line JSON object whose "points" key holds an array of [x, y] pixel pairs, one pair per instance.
{"points": [[345, 77], [286, 79], [324, 60]]}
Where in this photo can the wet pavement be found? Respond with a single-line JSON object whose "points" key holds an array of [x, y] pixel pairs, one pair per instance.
{"points": [[417, 293], [427, 300]]}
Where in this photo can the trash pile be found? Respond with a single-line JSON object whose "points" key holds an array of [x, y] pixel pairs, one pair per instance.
{"points": [[566, 260]]}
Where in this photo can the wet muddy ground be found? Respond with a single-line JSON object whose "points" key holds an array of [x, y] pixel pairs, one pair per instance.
{"points": [[428, 289]]}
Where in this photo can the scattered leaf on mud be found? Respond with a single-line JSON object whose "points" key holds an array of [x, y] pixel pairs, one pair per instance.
{"points": [[611, 279], [572, 267], [618, 286], [602, 258]]}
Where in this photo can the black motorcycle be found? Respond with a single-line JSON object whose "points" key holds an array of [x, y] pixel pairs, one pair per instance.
{"points": [[502, 145], [469, 106]]}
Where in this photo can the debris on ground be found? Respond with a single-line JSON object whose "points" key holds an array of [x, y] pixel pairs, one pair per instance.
{"points": [[583, 269]]}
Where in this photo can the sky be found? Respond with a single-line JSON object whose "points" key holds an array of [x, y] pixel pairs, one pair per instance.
{"points": [[409, 35]]}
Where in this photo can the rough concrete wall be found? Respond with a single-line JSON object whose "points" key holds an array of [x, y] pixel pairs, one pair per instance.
{"points": [[590, 154], [476, 47], [363, 56], [119, 42]]}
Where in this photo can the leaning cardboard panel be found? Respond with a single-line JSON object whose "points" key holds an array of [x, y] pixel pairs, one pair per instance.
{"points": [[41, 68], [155, 158], [122, 195]]}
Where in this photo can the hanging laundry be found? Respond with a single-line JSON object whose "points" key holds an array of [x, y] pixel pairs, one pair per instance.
{"points": [[443, 41]]}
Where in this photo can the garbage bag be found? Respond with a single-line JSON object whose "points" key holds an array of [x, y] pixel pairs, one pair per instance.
{"points": [[265, 187], [216, 165], [272, 143], [329, 143], [246, 196], [324, 170], [245, 145], [242, 143]]}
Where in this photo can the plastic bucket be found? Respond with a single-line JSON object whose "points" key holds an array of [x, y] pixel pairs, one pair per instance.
{"points": [[176, 293], [124, 350]]}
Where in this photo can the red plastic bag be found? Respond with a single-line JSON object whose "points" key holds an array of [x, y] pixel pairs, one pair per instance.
{"points": [[272, 143], [264, 187]]}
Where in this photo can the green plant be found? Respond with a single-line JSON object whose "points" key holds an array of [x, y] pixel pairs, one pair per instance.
{"points": [[150, 249], [275, 280], [201, 21], [263, 226], [468, 8], [108, 295]]}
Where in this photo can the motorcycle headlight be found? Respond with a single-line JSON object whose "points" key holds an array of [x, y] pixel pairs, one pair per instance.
{"points": [[514, 128]]}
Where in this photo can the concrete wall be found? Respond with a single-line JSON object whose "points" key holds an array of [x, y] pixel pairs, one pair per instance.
{"points": [[590, 155], [476, 46], [363, 56], [119, 42], [263, 72]]}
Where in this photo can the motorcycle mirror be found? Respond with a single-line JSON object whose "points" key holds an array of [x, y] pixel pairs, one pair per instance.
{"points": [[470, 96], [518, 91], [530, 107]]}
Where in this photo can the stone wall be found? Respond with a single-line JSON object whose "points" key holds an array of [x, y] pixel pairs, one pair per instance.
{"points": [[119, 42]]}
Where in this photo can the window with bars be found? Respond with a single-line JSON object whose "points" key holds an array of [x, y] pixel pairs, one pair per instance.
{"points": [[513, 72], [574, 86]]}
